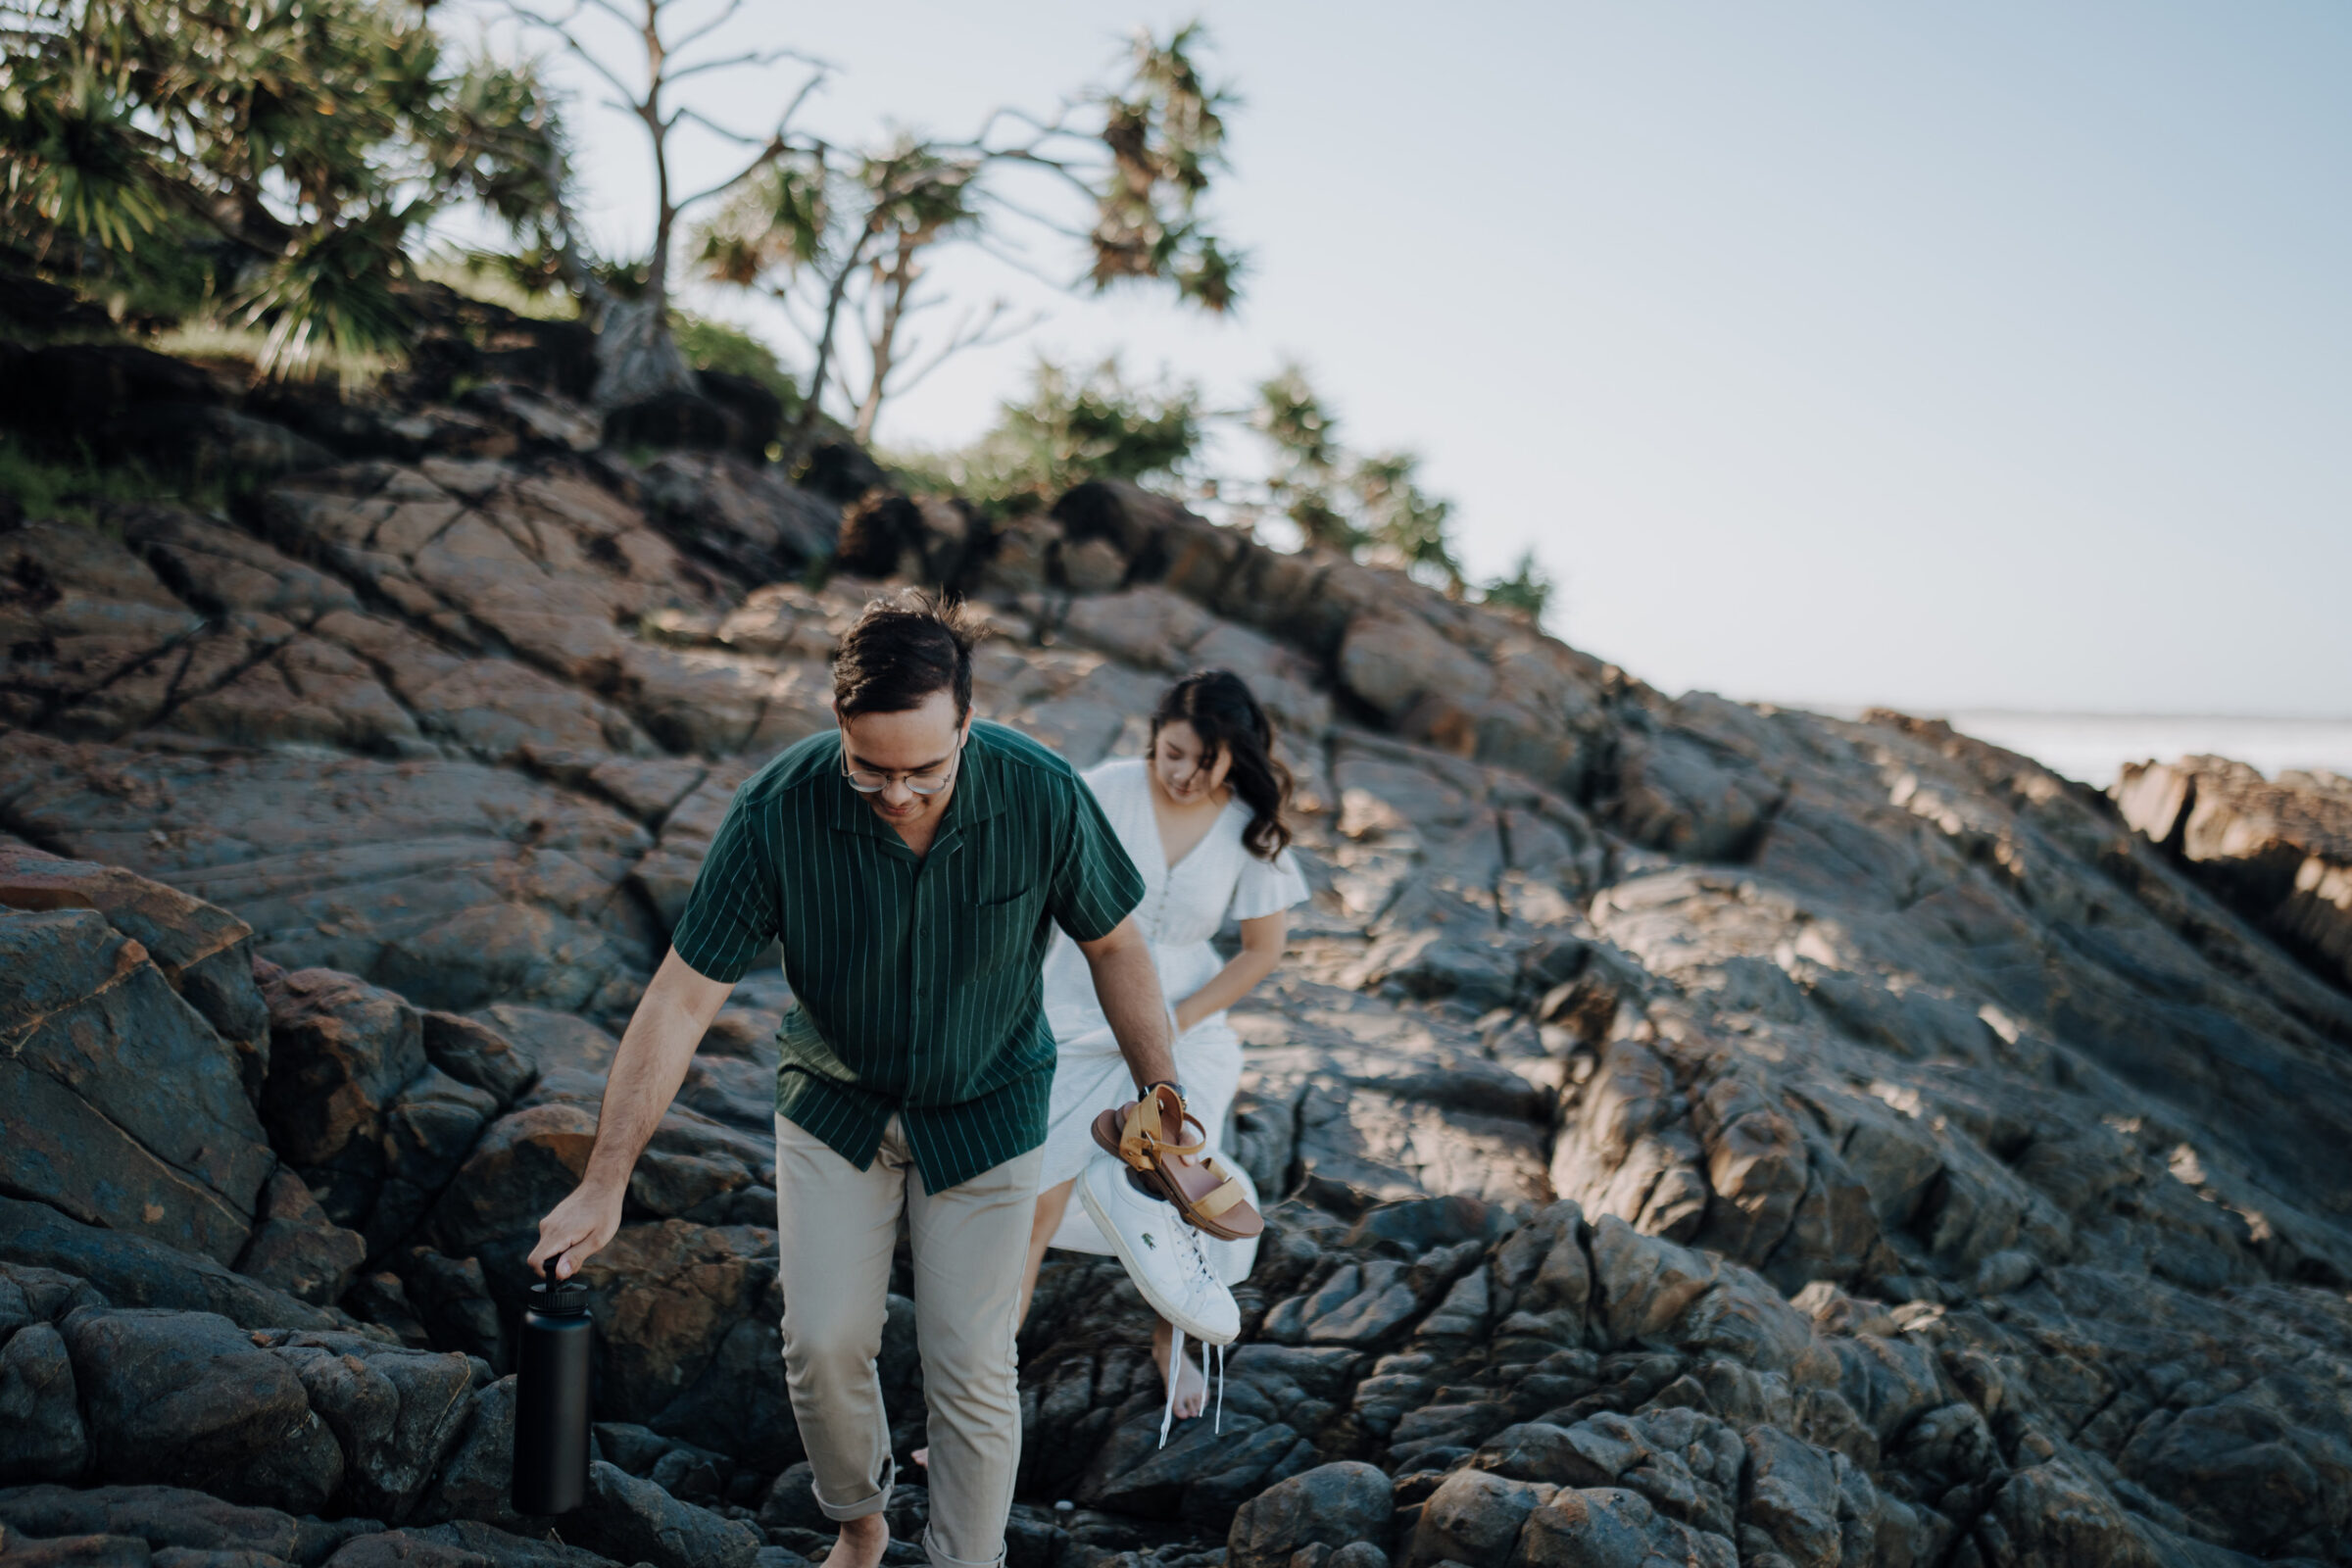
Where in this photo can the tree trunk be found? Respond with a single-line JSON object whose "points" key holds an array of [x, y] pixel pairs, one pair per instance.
{"points": [[636, 358]]}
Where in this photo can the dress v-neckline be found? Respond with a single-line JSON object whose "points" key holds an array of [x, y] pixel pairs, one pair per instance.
{"points": [[1169, 867]]}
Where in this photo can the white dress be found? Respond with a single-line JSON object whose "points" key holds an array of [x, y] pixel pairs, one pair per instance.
{"points": [[1182, 909]]}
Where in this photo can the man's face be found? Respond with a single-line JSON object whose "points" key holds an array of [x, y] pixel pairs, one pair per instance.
{"points": [[921, 743]]}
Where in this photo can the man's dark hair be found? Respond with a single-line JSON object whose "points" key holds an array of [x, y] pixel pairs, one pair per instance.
{"points": [[899, 652]]}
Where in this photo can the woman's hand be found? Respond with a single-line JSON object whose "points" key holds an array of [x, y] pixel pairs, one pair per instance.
{"points": [[1189, 1012]]}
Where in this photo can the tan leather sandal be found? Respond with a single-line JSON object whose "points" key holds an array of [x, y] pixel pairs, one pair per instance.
{"points": [[1161, 1142]]}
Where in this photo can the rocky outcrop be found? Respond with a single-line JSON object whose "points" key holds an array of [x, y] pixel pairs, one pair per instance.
{"points": [[1692, 1132], [2277, 851]]}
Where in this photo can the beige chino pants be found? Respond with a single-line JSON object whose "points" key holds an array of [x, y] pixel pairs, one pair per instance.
{"points": [[836, 1228]]}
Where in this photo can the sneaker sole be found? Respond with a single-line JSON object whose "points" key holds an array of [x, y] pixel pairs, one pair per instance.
{"points": [[1135, 1270]]}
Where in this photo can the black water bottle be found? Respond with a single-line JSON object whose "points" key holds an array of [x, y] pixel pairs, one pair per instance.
{"points": [[550, 1398]]}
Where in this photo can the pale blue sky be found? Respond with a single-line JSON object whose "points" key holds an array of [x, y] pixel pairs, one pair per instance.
{"points": [[1965, 356]]}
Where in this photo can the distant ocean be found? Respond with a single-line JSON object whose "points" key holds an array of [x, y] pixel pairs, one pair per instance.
{"points": [[2094, 746]]}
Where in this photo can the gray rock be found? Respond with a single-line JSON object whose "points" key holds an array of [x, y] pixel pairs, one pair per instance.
{"points": [[1473, 1517], [205, 953], [296, 1247], [475, 1481], [629, 1520], [1793, 1497], [185, 1399], [41, 1437], [1332, 1505], [171, 1517], [395, 1412], [2049, 1514], [1610, 1528], [341, 1050], [472, 1052], [505, 1548], [134, 1271], [119, 1104], [77, 1552]]}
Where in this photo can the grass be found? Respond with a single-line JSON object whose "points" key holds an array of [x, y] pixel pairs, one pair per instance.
{"points": [[463, 275], [203, 339], [79, 490]]}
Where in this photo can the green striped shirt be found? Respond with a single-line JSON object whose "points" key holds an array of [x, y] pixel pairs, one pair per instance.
{"points": [[917, 982]]}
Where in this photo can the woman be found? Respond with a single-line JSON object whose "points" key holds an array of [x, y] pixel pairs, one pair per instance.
{"points": [[1201, 815]]}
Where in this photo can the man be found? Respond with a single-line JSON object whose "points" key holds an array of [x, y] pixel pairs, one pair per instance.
{"points": [[913, 864]]}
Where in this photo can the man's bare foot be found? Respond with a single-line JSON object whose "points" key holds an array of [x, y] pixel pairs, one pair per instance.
{"points": [[1192, 1384], [862, 1545]]}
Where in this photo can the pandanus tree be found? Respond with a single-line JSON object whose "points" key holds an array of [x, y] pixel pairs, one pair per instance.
{"points": [[642, 52], [274, 159], [846, 239]]}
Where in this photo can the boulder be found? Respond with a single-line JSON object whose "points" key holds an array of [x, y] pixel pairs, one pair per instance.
{"points": [[341, 1051], [1613, 1527], [119, 1103], [297, 1249], [2279, 852], [1473, 1517], [176, 1518], [535, 418], [395, 1412], [186, 1400], [1331, 1505], [428, 1130], [132, 1270], [82, 615], [77, 1551], [203, 953], [476, 1477], [738, 514], [205, 443], [633, 1521], [41, 1435]]}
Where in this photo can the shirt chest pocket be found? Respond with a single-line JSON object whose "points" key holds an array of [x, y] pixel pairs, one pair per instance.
{"points": [[996, 924]]}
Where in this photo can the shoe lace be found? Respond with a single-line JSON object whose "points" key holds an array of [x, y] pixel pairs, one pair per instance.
{"points": [[1199, 1271]]}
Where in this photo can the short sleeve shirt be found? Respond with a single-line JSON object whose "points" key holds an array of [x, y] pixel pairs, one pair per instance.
{"points": [[917, 982]]}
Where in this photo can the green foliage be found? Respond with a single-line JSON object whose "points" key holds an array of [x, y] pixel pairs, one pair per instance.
{"points": [[715, 346], [502, 280], [845, 237], [1165, 137], [77, 490], [1070, 428], [1527, 590], [270, 158], [1358, 506]]}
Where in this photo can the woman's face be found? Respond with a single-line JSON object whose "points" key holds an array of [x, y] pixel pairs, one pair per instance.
{"points": [[1179, 766]]}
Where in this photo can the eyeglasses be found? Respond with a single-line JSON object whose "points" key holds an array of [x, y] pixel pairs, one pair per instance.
{"points": [[869, 783]]}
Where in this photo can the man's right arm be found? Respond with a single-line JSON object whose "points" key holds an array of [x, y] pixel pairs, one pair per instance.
{"points": [[655, 1052]]}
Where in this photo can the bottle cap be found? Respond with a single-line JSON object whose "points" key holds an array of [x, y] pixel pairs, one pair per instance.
{"points": [[559, 1298]]}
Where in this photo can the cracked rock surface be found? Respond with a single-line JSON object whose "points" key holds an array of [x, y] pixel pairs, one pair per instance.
{"points": [[1693, 1132]]}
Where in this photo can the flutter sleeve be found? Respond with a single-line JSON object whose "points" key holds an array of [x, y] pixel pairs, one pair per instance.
{"points": [[1265, 885]]}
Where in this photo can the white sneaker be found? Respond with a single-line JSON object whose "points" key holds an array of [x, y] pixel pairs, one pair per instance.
{"points": [[1164, 1254]]}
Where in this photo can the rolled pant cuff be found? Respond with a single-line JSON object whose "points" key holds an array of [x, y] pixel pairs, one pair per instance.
{"points": [[940, 1559], [871, 1503]]}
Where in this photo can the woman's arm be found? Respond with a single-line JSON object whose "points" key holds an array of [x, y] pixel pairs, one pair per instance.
{"points": [[1262, 941]]}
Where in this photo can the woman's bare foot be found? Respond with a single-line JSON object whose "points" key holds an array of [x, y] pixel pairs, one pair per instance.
{"points": [[1192, 1384], [862, 1545]]}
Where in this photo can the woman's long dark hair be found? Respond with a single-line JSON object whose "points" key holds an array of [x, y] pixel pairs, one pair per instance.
{"points": [[1225, 713]]}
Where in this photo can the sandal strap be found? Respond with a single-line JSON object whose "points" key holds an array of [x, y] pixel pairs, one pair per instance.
{"points": [[1144, 1133], [1221, 1199]]}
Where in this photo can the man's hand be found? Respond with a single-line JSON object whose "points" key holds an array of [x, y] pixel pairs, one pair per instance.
{"points": [[578, 1228], [652, 1061]]}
